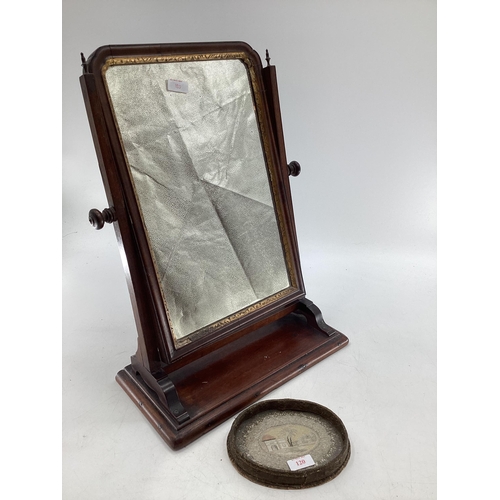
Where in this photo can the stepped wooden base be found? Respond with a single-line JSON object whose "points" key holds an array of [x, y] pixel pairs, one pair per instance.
{"points": [[217, 386]]}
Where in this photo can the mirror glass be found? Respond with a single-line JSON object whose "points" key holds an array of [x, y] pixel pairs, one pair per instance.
{"points": [[199, 172]]}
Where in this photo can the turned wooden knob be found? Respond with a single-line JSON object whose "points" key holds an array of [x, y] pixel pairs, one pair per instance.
{"points": [[98, 218], [294, 168]]}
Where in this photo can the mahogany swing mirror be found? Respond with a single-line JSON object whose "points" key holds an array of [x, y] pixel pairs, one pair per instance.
{"points": [[191, 151]]}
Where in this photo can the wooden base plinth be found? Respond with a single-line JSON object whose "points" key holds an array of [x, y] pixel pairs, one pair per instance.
{"points": [[219, 385]]}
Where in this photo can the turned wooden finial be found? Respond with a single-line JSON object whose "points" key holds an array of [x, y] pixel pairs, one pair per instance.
{"points": [[294, 168], [98, 218], [268, 59]]}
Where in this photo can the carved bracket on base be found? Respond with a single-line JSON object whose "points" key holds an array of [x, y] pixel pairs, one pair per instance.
{"points": [[165, 389], [314, 316]]}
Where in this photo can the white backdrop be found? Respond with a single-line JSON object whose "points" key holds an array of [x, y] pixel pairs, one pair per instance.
{"points": [[357, 84]]}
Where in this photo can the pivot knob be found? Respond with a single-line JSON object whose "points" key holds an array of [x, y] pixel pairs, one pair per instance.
{"points": [[294, 168], [98, 218]]}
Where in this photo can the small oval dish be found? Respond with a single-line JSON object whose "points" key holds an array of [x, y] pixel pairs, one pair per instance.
{"points": [[288, 444]]}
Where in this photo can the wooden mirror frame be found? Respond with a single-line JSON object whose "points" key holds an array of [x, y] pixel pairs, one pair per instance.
{"points": [[185, 391]]}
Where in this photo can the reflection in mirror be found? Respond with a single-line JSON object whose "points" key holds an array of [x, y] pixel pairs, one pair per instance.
{"points": [[201, 181]]}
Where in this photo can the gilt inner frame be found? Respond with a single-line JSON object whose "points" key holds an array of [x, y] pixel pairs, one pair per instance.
{"points": [[271, 167]]}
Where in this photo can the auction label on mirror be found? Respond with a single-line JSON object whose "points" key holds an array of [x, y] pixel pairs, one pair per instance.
{"points": [[177, 86], [300, 462]]}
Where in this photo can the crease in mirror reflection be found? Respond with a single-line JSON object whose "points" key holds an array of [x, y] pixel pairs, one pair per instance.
{"points": [[202, 185]]}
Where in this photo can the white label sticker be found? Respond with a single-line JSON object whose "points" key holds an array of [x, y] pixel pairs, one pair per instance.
{"points": [[300, 462], [177, 86]]}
